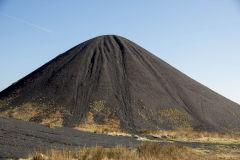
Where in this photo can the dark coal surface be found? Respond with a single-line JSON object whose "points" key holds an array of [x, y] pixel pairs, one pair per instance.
{"points": [[18, 139], [129, 79]]}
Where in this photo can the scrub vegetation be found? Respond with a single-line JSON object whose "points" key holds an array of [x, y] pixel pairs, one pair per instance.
{"points": [[37, 112], [101, 119], [145, 151], [170, 118]]}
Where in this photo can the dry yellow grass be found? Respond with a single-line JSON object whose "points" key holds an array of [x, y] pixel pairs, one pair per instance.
{"points": [[171, 117], [190, 135], [147, 151], [219, 152], [25, 112], [175, 117], [110, 123], [37, 112], [102, 128]]}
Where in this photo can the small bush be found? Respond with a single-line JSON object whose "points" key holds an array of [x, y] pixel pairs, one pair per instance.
{"points": [[39, 156], [98, 106]]}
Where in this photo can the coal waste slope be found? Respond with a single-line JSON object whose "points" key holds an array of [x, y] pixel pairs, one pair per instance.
{"points": [[137, 88]]}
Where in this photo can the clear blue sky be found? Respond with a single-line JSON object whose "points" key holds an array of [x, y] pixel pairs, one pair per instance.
{"points": [[199, 37]]}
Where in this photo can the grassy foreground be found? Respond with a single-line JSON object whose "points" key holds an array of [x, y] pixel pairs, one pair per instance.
{"points": [[145, 151], [194, 136], [201, 145]]}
